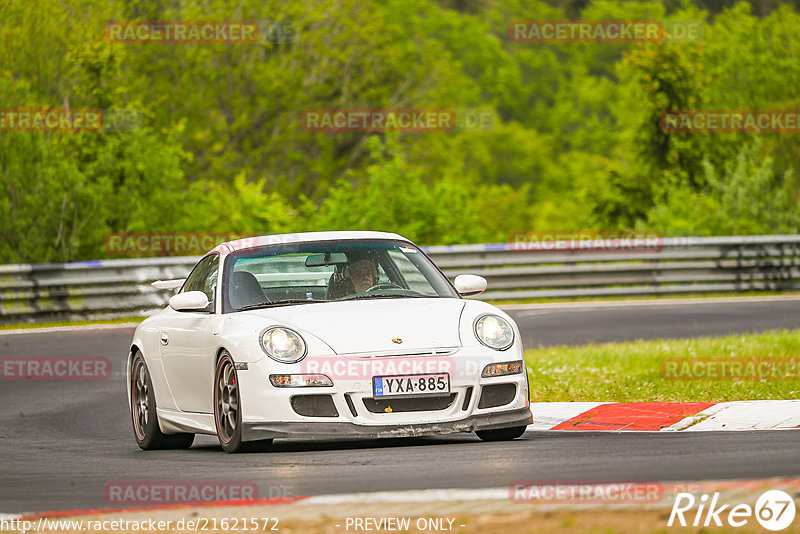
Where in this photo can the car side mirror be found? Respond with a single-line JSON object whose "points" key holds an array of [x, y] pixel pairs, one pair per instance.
{"points": [[469, 284], [189, 301]]}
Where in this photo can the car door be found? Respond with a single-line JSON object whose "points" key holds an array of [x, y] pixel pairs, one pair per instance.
{"points": [[186, 352]]}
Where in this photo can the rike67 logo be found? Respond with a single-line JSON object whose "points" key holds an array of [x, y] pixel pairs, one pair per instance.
{"points": [[774, 510]]}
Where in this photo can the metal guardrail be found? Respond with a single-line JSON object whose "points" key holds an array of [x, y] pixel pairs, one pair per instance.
{"points": [[113, 288]]}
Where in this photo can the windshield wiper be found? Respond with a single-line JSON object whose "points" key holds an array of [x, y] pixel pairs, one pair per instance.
{"points": [[379, 296], [282, 302]]}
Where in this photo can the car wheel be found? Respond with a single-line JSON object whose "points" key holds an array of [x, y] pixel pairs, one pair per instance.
{"points": [[227, 410], [501, 434], [143, 412]]}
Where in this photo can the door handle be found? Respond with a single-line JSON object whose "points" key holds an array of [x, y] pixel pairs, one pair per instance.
{"points": [[164, 338]]}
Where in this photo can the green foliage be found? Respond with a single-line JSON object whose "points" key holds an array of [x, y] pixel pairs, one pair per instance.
{"points": [[745, 197], [575, 142], [240, 207], [393, 196]]}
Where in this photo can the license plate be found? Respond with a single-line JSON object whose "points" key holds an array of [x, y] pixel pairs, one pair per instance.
{"points": [[393, 386]]}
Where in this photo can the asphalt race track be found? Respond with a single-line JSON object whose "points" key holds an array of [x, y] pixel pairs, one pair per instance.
{"points": [[602, 322], [63, 441]]}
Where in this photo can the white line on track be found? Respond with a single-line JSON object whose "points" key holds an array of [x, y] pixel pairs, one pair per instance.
{"points": [[76, 328], [587, 305]]}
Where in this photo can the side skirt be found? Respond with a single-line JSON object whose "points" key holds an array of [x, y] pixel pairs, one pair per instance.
{"points": [[172, 422]]}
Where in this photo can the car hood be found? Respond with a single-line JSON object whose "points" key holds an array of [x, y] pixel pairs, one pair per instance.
{"points": [[367, 326]]}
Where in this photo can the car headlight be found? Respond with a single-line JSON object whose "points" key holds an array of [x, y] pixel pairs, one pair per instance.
{"points": [[494, 332], [283, 344]]}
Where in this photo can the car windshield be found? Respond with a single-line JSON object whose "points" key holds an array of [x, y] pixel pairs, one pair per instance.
{"points": [[328, 271]]}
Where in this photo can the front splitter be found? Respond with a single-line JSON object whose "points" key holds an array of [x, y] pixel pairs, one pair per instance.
{"points": [[325, 430]]}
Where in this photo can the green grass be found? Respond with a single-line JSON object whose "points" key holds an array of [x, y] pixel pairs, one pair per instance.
{"points": [[132, 319], [631, 372]]}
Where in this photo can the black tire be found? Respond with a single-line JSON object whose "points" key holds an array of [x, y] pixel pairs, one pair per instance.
{"points": [[501, 434], [143, 413], [227, 410]]}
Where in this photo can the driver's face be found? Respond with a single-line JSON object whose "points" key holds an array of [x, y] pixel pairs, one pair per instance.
{"points": [[362, 274]]}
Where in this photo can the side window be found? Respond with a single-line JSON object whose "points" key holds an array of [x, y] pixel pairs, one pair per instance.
{"points": [[383, 276], [210, 284], [204, 277], [413, 277]]}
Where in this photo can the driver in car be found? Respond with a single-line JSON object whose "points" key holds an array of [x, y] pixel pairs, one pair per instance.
{"points": [[360, 274], [363, 274]]}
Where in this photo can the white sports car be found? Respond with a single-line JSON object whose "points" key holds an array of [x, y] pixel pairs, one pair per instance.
{"points": [[324, 334]]}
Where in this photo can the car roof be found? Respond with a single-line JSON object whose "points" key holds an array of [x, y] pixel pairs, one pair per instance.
{"points": [[300, 237]]}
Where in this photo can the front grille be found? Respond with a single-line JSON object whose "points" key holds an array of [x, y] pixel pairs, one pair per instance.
{"points": [[411, 404], [497, 395], [314, 406]]}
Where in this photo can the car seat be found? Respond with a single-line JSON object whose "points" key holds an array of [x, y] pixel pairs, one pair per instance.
{"points": [[245, 290]]}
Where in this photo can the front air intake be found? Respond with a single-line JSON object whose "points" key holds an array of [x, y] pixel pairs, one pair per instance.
{"points": [[314, 406], [420, 404], [497, 395]]}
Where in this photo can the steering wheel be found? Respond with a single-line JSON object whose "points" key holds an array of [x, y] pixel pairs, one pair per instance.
{"points": [[382, 285]]}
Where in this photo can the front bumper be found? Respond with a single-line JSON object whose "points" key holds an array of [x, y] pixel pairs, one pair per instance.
{"points": [[342, 429], [349, 408]]}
